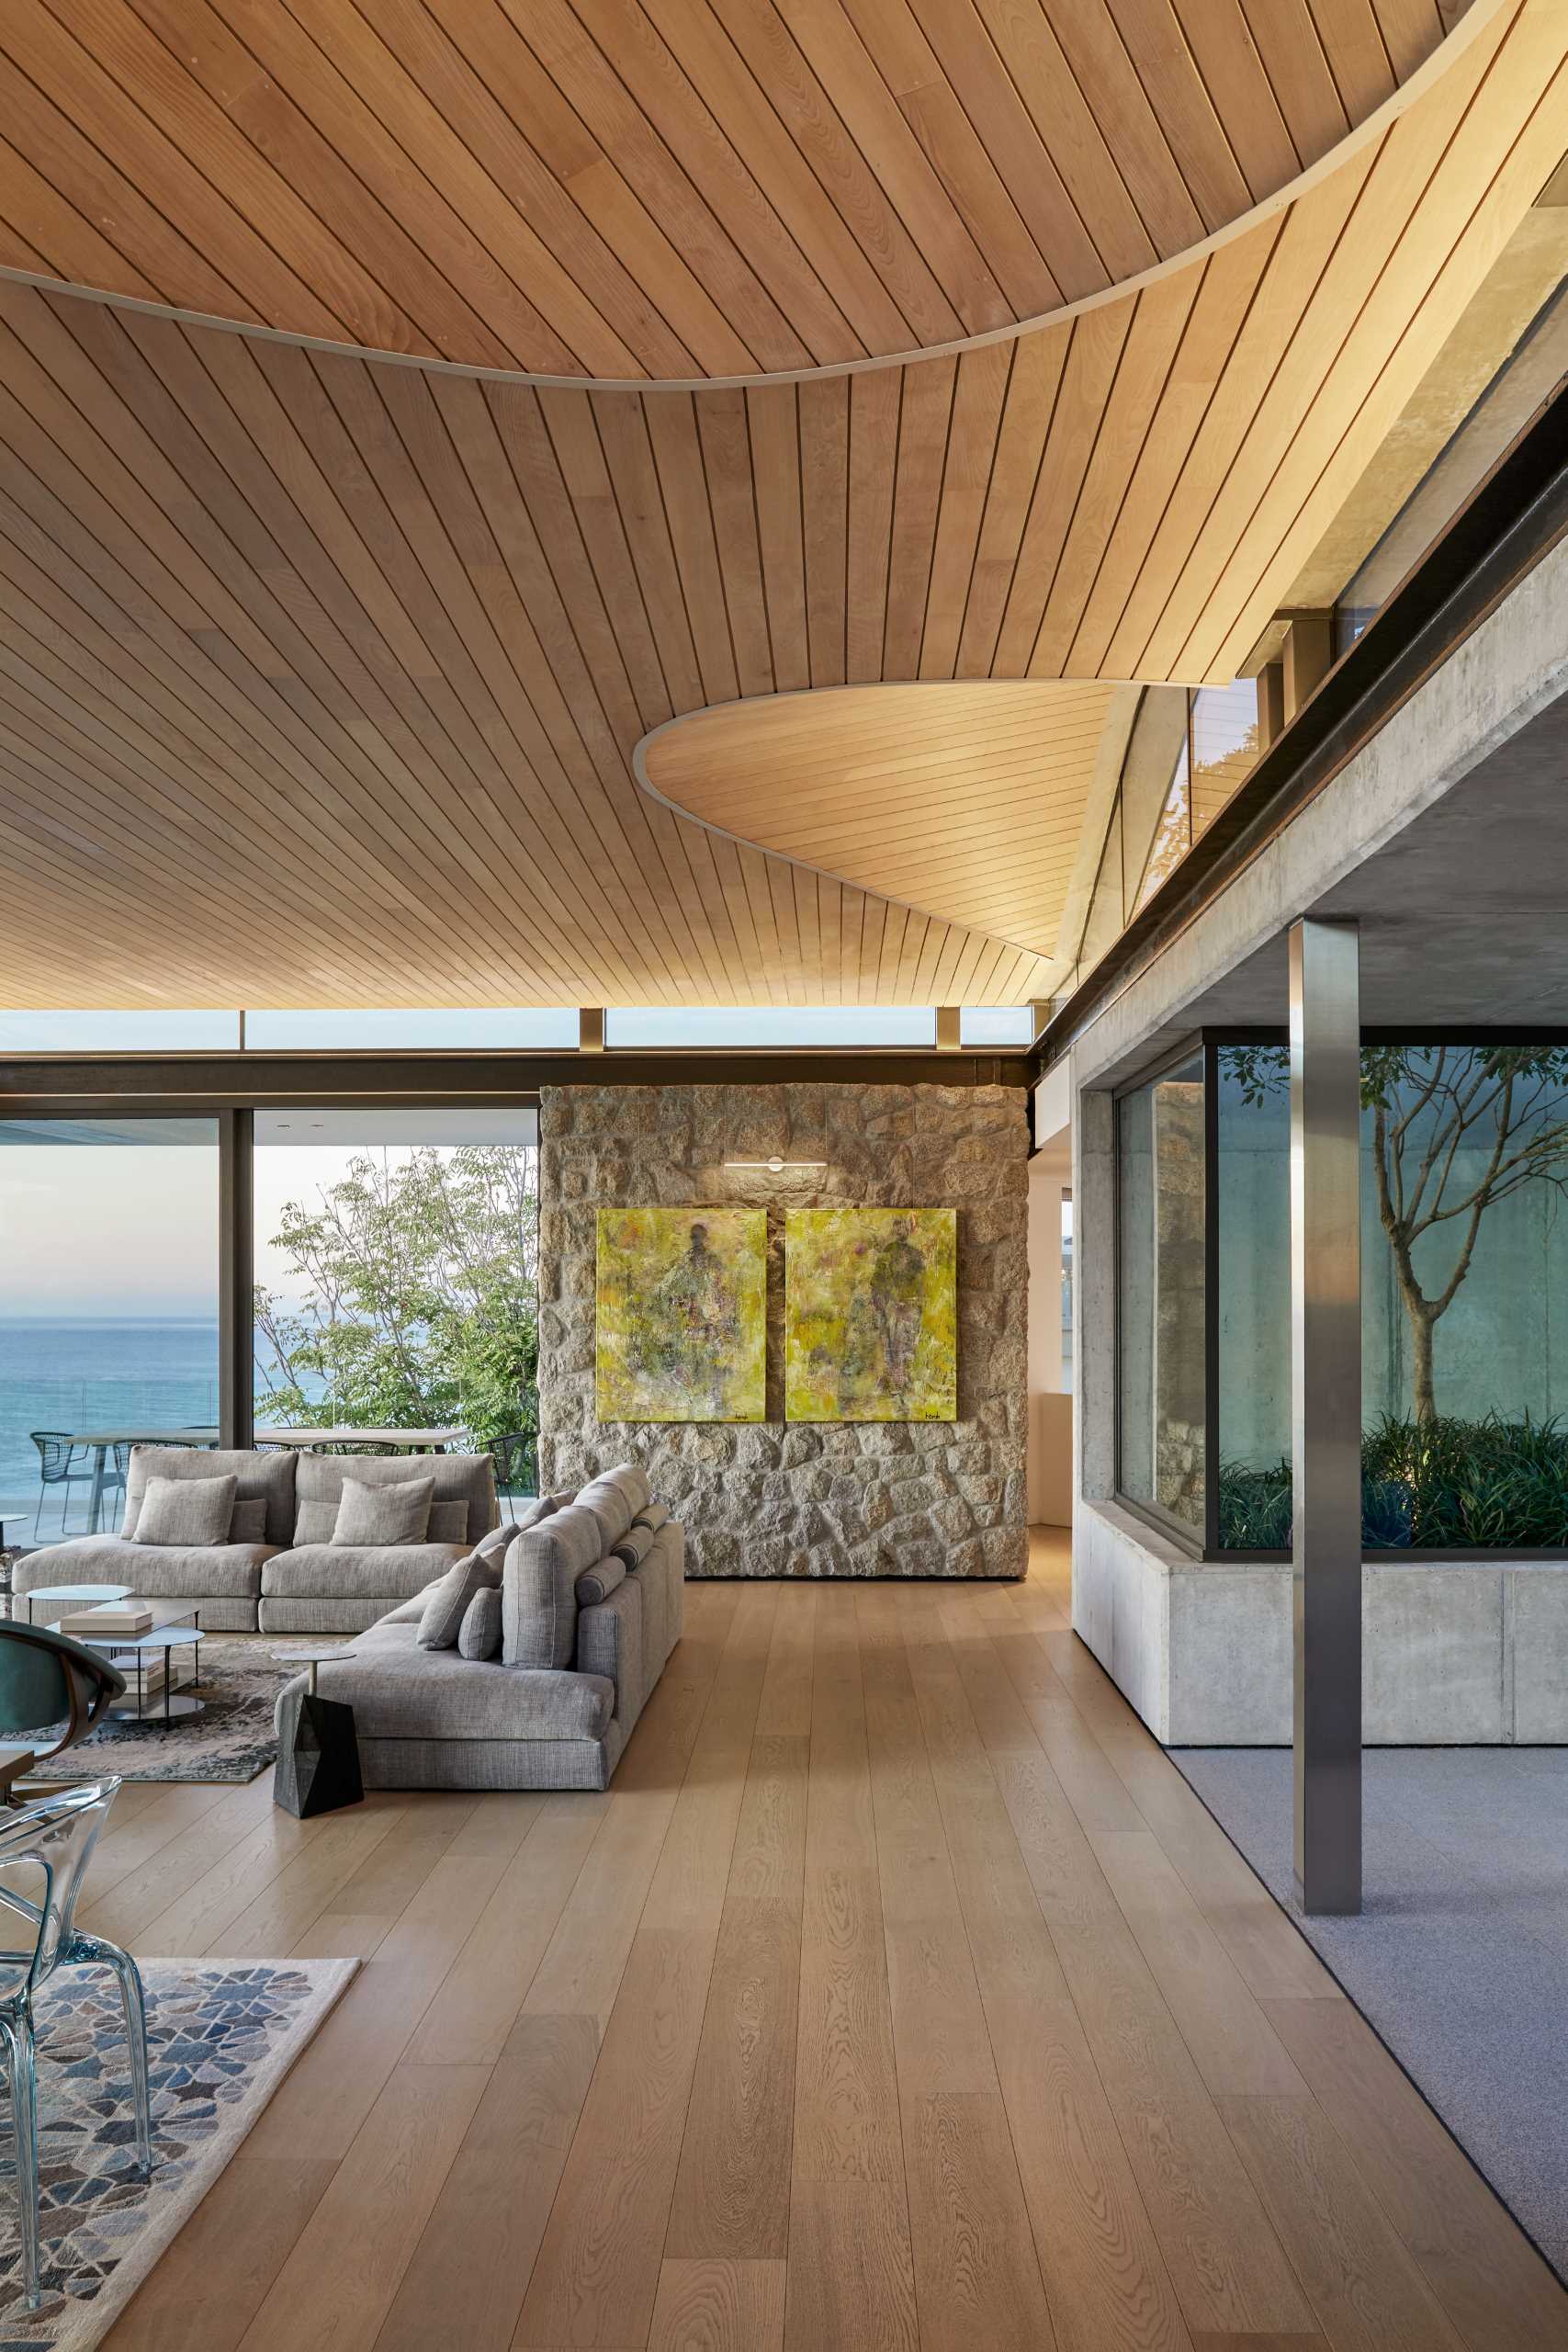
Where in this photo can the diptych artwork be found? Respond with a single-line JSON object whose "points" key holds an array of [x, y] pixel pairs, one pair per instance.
{"points": [[871, 1317], [682, 1314]]}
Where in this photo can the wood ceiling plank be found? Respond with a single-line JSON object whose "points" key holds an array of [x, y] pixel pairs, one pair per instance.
{"points": [[1153, 338], [345, 121], [726, 464], [874, 403], [1452, 242], [1230, 280], [1217, 33], [1353, 45], [1410, 30], [767, 44], [977, 406], [773, 414], [433, 75], [1288, 42], [1088, 376], [981, 193], [790, 188], [1152, 35], [1390, 193], [1031, 396], [1028, 46], [912, 185], [797, 300], [671, 426], [824, 412], [923, 425], [1097, 59]]}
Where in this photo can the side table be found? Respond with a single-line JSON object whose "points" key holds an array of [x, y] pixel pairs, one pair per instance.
{"points": [[318, 1770]]}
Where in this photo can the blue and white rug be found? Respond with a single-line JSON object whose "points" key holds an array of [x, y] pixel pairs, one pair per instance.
{"points": [[221, 2036]]}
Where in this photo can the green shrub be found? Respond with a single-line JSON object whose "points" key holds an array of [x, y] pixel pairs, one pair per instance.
{"points": [[1435, 1485]]}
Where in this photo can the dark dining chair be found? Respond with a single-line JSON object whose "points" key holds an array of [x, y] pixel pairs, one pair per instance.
{"points": [[517, 1458], [58, 1467]]}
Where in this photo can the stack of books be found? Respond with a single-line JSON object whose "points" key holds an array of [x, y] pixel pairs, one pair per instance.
{"points": [[110, 1621]]}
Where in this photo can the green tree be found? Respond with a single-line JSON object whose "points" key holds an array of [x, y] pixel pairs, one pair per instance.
{"points": [[421, 1298], [1455, 1130]]}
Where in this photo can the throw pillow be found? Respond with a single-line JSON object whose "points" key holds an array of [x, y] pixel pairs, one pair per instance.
{"points": [[597, 1583], [539, 1616], [396, 1513], [635, 1544], [448, 1523], [193, 1511], [247, 1520], [480, 1633], [478, 1571]]}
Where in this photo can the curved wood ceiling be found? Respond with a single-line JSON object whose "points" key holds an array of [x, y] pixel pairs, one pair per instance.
{"points": [[322, 677], [663, 189], [967, 797]]}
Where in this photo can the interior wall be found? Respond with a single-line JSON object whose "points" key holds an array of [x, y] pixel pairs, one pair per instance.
{"points": [[1050, 1445], [934, 1499]]}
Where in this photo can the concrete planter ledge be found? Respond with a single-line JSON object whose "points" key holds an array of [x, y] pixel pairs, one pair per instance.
{"points": [[1456, 1653]]}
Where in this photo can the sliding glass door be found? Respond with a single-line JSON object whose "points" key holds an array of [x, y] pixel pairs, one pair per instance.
{"points": [[109, 1307]]}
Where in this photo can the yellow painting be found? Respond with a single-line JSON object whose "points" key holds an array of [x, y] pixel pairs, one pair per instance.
{"points": [[871, 1320], [681, 1326]]}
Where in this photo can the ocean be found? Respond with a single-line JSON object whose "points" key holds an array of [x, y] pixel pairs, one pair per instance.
{"points": [[119, 1372]]}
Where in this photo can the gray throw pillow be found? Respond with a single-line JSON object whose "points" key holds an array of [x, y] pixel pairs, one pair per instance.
{"points": [[247, 1521], [478, 1571], [599, 1582], [635, 1544], [539, 1588], [479, 1632], [448, 1523], [396, 1513], [186, 1510]]}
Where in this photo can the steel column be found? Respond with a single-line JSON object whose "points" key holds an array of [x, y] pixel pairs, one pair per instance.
{"points": [[1325, 1410], [236, 1335]]}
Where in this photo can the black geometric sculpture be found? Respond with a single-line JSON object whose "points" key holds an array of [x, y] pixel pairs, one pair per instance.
{"points": [[318, 1770]]}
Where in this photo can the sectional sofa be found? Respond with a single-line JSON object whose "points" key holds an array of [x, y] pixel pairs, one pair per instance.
{"points": [[276, 1569], [583, 1605]]}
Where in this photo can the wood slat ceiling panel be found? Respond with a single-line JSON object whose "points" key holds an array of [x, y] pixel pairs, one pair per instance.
{"points": [[663, 189], [322, 677]]}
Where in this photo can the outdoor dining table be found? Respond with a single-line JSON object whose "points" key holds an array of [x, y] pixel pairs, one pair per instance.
{"points": [[398, 1440], [102, 1441]]}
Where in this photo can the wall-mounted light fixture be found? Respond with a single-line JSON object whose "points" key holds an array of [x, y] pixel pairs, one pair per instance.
{"points": [[776, 1166]]}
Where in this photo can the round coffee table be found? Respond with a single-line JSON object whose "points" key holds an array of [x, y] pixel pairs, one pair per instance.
{"points": [[178, 1706], [77, 1595]]}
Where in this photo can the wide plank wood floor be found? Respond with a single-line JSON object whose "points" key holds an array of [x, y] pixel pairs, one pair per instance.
{"points": [[898, 1996]]}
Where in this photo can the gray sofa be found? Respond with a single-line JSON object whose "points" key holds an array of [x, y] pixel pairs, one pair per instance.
{"points": [[555, 1707], [281, 1573]]}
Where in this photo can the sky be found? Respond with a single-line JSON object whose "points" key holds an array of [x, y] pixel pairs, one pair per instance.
{"points": [[106, 1229]]}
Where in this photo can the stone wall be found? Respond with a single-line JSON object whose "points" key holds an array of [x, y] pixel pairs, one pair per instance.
{"points": [[775, 1499]]}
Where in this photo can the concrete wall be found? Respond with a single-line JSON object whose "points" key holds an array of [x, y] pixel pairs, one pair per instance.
{"points": [[933, 1498], [1455, 1654]]}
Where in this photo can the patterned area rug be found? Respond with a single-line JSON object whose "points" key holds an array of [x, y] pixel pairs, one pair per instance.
{"points": [[220, 2038], [232, 1741]]}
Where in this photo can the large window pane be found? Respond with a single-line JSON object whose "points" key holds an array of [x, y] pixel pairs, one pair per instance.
{"points": [[474, 1030], [1160, 1328], [1465, 1296], [108, 1306], [396, 1274], [769, 1024], [149, 1031]]}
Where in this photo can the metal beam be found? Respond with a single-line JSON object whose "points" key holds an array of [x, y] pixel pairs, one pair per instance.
{"points": [[1325, 1410], [236, 1340]]}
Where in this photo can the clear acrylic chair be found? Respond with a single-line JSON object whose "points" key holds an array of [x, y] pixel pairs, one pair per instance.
{"points": [[44, 1852]]}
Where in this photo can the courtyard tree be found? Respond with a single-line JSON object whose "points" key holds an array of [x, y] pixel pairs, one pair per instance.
{"points": [[418, 1297], [1455, 1129]]}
